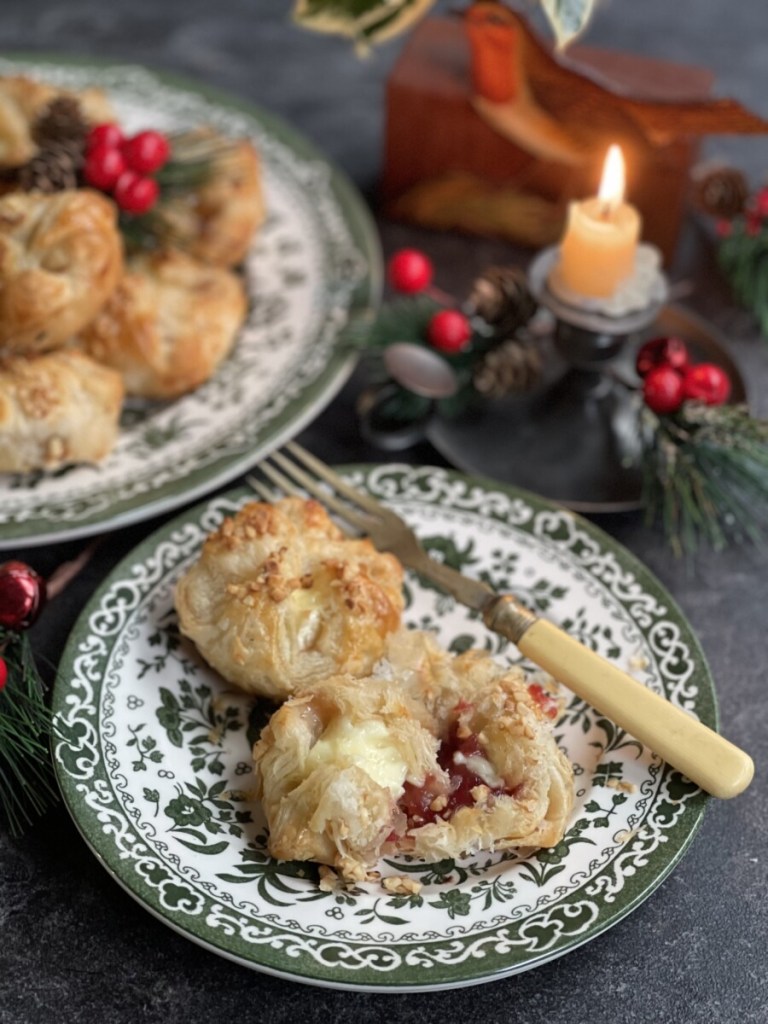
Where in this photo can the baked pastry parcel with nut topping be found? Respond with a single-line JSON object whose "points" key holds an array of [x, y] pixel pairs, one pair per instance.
{"points": [[430, 764], [56, 408], [23, 100], [216, 221], [280, 599], [61, 256], [168, 324]]}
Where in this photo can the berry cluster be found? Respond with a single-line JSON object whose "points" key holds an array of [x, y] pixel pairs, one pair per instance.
{"points": [[669, 377], [410, 271], [123, 166]]}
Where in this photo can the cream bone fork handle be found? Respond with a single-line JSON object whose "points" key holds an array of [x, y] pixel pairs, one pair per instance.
{"points": [[707, 758]]}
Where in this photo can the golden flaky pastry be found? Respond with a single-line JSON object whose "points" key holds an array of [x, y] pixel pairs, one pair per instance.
{"points": [[56, 408], [330, 766], [429, 764], [60, 258], [168, 324], [216, 221], [280, 599], [23, 100]]}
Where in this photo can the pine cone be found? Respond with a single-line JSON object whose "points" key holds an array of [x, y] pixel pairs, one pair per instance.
{"points": [[720, 191], [51, 170], [500, 296], [62, 123], [512, 366]]}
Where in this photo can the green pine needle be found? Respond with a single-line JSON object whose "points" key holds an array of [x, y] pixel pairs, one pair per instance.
{"points": [[27, 787], [705, 476], [743, 257]]}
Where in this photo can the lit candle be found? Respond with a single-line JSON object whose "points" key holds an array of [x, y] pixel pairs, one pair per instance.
{"points": [[597, 252]]}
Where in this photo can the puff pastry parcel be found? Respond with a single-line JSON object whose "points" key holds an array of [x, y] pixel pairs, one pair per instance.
{"points": [[55, 409], [216, 222], [60, 258], [23, 100], [168, 324], [404, 762], [280, 599]]}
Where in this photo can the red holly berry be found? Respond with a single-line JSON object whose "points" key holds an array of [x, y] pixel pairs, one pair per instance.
{"points": [[760, 203], [661, 352], [103, 166], [663, 390], [135, 193], [3, 672], [410, 271], [449, 331], [22, 595], [146, 152], [706, 383], [105, 134]]}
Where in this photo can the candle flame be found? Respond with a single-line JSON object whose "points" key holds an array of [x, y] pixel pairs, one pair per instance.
{"points": [[611, 191]]}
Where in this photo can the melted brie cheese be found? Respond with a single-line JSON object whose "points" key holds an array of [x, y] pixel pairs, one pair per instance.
{"points": [[367, 745]]}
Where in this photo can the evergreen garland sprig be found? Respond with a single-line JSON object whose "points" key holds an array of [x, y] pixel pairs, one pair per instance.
{"points": [[743, 256], [705, 476], [27, 786]]}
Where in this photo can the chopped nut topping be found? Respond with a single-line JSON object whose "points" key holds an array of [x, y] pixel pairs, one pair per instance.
{"points": [[400, 886], [329, 880], [480, 794], [625, 787]]}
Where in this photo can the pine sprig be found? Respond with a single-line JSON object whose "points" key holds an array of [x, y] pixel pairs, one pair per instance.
{"points": [[743, 256], [27, 787], [705, 476]]}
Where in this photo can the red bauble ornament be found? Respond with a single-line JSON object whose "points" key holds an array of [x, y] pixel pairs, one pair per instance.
{"points": [[136, 193], [103, 166], [410, 271], [22, 595], [146, 152], [3, 672], [105, 134], [663, 390], [706, 383], [662, 352], [449, 331]]}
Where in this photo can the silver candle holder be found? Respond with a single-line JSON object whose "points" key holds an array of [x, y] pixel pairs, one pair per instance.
{"points": [[576, 437]]}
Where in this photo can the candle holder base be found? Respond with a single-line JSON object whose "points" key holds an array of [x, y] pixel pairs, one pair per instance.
{"points": [[575, 439]]}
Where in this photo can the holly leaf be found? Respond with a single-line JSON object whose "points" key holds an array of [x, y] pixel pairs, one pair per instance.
{"points": [[365, 21]]}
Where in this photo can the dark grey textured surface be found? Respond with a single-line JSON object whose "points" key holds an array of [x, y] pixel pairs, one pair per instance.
{"points": [[74, 948]]}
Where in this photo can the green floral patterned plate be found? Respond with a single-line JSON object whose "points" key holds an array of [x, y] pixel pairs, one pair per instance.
{"points": [[152, 753], [315, 265]]}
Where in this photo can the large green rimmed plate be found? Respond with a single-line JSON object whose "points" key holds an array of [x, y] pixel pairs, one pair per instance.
{"points": [[313, 266], [152, 755]]}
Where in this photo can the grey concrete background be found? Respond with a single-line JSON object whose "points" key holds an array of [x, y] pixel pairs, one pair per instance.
{"points": [[74, 948]]}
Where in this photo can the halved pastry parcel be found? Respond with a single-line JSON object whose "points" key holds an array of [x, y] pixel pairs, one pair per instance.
{"points": [[432, 767]]}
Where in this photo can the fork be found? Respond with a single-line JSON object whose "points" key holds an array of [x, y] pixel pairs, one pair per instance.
{"points": [[706, 757]]}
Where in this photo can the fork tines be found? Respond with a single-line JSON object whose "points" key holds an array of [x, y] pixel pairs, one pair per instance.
{"points": [[304, 472]]}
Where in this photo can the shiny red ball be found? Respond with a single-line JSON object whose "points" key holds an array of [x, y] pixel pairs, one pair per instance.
{"points": [[706, 383], [662, 352], [410, 271], [105, 134], [135, 193], [449, 331], [146, 152], [663, 390], [103, 166], [3, 672], [22, 595]]}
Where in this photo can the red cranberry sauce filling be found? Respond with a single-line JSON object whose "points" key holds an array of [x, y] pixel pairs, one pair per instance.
{"points": [[431, 802], [548, 704]]}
